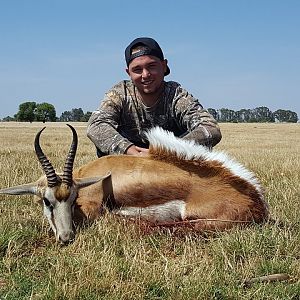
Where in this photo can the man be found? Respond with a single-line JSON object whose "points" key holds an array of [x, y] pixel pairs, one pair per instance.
{"points": [[133, 106]]}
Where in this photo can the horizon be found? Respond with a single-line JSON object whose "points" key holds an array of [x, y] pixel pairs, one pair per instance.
{"points": [[217, 110]]}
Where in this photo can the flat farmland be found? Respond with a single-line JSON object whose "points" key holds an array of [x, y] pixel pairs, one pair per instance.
{"points": [[113, 259]]}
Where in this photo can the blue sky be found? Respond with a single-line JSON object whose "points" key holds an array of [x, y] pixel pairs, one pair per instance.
{"points": [[228, 53]]}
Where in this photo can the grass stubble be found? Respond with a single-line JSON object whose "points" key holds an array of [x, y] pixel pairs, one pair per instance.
{"points": [[115, 259]]}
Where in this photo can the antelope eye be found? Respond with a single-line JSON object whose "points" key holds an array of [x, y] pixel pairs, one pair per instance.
{"points": [[48, 204]]}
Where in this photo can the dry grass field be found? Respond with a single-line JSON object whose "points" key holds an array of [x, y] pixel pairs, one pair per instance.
{"points": [[111, 259]]}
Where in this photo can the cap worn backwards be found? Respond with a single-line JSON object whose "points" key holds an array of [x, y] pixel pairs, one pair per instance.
{"points": [[152, 48]]}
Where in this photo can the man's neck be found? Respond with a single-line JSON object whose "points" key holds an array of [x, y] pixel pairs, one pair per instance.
{"points": [[151, 99]]}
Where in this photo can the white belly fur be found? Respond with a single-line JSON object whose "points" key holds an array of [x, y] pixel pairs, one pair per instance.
{"points": [[171, 211]]}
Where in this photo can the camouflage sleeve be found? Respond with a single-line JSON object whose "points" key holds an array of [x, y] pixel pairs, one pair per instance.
{"points": [[199, 123], [103, 124]]}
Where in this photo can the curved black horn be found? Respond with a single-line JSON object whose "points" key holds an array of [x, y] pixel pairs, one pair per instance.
{"points": [[68, 169], [46, 164]]}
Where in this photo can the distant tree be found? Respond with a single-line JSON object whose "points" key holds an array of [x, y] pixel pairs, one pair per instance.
{"points": [[262, 114], [87, 116], [45, 112], [213, 112], [243, 115], [26, 112], [226, 115], [282, 115], [8, 119], [66, 116], [77, 114]]}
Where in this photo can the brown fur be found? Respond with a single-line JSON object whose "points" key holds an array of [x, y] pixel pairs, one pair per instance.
{"points": [[209, 190], [62, 193]]}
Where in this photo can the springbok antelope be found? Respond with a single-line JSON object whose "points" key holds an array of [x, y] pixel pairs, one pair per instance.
{"points": [[179, 181]]}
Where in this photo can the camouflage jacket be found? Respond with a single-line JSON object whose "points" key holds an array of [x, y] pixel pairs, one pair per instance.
{"points": [[122, 118]]}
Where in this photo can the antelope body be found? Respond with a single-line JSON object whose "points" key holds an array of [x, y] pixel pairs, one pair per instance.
{"points": [[178, 181]]}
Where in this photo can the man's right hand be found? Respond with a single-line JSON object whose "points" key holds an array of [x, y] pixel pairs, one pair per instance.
{"points": [[135, 150]]}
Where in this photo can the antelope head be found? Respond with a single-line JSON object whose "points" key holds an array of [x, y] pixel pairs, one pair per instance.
{"points": [[59, 194]]}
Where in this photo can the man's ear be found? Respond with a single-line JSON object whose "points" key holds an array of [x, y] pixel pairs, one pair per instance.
{"points": [[165, 61], [127, 71]]}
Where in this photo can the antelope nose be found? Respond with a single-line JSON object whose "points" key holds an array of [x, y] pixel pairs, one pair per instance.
{"points": [[67, 237]]}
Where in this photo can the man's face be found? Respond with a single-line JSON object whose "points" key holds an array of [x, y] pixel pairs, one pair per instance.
{"points": [[147, 73]]}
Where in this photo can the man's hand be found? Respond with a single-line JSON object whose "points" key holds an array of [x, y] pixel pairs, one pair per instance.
{"points": [[135, 150]]}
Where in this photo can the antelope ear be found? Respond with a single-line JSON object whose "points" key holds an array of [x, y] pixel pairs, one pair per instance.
{"points": [[84, 182], [29, 188]]}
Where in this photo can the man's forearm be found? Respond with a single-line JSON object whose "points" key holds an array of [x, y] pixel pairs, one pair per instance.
{"points": [[205, 135], [106, 138]]}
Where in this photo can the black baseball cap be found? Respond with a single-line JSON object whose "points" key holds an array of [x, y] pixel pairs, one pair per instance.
{"points": [[153, 49]]}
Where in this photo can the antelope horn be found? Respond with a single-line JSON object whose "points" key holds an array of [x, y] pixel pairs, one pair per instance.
{"points": [[46, 164], [68, 169]]}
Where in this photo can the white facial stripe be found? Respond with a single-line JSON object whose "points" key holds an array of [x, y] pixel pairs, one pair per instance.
{"points": [[48, 215], [60, 215], [170, 211]]}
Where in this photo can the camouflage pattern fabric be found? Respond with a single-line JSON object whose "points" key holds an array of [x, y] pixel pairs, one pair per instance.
{"points": [[122, 118]]}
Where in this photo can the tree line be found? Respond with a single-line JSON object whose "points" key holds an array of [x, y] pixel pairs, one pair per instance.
{"points": [[45, 112], [258, 114]]}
